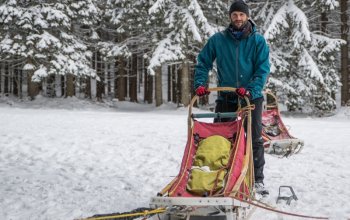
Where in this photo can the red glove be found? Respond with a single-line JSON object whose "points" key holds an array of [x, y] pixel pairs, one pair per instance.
{"points": [[201, 91], [241, 92]]}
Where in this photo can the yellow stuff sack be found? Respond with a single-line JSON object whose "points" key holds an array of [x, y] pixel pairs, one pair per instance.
{"points": [[214, 152], [202, 182]]}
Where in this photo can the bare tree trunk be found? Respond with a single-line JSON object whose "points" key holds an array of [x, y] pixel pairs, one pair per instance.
{"points": [[173, 83], [178, 85], [324, 22], [169, 83], [121, 79], [69, 85], [33, 87], [88, 88], [92, 82], [11, 79], [148, 85], [93, 88], [112, 80], [133, 79], [44, 83], [99, 72], [16, 79], [149, 90], [7, 75], [116, 76], [1, 78], [140, 68], [345, 93], [24, 84], [77, 86], [58, 85], [158, 87], [106, 79], [185, 85], [19, 82]]}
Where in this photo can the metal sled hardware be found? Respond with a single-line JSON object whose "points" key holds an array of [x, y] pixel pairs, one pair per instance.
{"points": [[157, 202], [284, 147], [199, 208], [287, 198]]}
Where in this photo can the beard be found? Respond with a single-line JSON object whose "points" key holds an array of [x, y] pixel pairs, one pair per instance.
{"points": [[238, 25]]}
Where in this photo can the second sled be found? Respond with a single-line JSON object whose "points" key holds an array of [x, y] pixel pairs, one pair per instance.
{"points": [[277, 139]]}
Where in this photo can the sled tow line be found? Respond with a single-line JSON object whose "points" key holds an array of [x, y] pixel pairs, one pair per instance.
{"points": [[144, 213], [271, 209]]}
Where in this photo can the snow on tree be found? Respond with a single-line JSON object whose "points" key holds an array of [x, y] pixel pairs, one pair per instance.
{"points": [[185, 29], [303, 69], [130, 23], [41, 34], [326, 4]]}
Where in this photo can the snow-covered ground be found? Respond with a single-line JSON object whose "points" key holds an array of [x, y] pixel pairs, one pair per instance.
{"points": [[67, 159]]}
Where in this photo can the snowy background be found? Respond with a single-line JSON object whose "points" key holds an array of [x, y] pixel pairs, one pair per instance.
{"points": [[68, 159]]}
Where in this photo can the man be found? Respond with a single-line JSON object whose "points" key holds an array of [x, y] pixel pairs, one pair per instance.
{"points": [[242, 58]]}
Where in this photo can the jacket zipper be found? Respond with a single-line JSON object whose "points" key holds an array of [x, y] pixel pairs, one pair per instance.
{"points": [[237, 55]]}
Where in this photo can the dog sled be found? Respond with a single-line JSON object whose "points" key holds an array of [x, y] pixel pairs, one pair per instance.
{"points": [[277, 139], [216, 177], [216, 172]]}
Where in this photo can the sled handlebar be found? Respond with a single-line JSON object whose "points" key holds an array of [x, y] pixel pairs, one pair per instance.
{"points": [[219, 89], [216, 89], [215, 115]]}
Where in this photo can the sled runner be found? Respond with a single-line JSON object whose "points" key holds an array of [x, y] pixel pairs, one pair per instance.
{"points": [[277, 139], [216, 171]]}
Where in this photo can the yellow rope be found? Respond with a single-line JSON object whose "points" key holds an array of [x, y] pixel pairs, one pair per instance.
{"points": [[144, 213]]}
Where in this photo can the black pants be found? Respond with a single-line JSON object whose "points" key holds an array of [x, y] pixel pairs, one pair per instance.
{"points": [[258, 143]]}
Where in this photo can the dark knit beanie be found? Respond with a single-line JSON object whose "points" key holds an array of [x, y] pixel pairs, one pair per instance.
{"points": [[239, 6]]}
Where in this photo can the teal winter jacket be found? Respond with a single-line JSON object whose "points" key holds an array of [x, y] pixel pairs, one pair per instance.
{"points": [[240, 63]]}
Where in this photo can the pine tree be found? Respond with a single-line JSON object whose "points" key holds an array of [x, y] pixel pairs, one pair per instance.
{"points": [[185, 29], [216, 12], [303, 68], [132, 26], [129, 23], [42, 35]]}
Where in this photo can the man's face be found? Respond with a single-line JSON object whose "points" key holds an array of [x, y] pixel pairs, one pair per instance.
{"points": [[238, 18]]}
